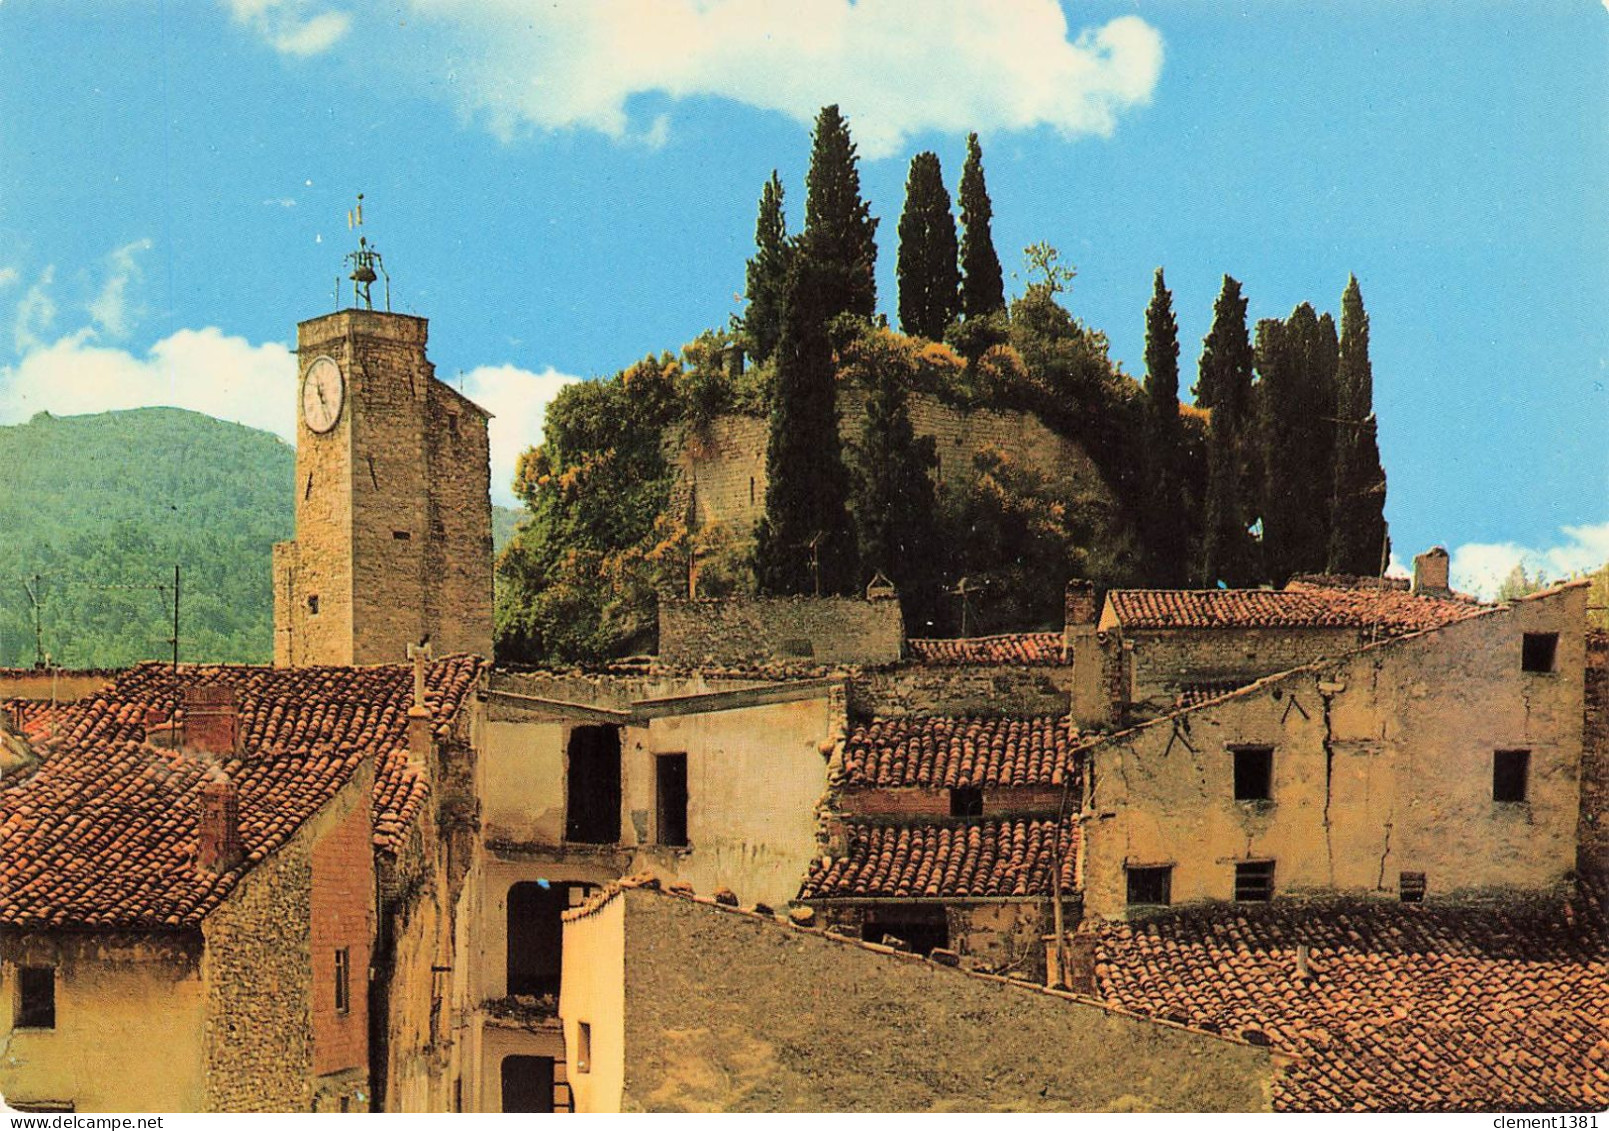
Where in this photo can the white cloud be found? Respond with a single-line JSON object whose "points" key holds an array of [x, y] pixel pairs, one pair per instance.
{"points": [[110, 308], [8, 275], [291, 27], [517, 400], [35, 313], [895, 68], [1480, 567], [202, 370]]}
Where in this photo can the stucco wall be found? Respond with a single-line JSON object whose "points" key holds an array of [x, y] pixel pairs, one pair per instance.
{"points": [[594, 991], [757, 630], [522, 778], [129, 1021], [755, 776], [732, 1012], [1382, 764]]}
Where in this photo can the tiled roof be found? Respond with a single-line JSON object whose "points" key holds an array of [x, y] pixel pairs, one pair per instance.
{"points": [[992, 858], [33, 716], [943, 751], [103, 833], [1194, 694], [1409, 1007], [1391, 612], [1013, 648]]}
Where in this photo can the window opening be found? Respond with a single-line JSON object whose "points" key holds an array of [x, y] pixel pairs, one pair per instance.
{"points": [[1510, 768], [1150, 885], [343, 980], [36, 997], [1411, 887], [1254, 773], [592, 786], [527, 1083], [923, 929], [312, 604], [402, 536], [670, 788], [374, 479], [536, 937], [1538, 651], [1254, 881], [966, 801], [583, 1046]]}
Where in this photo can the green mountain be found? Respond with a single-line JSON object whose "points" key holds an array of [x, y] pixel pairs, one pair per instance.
{"points": [[98, 509]]}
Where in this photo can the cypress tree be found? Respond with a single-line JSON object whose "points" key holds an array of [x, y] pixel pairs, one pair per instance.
{"points": [[1224, 375], [806, 527], [767, 273], [1165, 529], [840, 231], [1358, 542], [896, 509], [1296, 361], [983, 288], [929, 280]]}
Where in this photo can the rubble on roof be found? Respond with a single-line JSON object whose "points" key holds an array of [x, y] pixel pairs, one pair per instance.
{"points": [[1388, 611], [1010, 648]]}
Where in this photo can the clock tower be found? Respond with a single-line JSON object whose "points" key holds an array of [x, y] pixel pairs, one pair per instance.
{"points": [[393, 506]]}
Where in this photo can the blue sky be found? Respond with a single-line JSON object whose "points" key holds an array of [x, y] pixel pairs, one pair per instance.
{"points": [[563, 188]]}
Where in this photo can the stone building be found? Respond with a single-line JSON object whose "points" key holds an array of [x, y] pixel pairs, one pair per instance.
{"points": [[393, 505], [681, 1004], [191, 867]]}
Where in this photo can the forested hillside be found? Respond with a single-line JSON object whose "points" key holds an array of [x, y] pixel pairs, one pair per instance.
{"points": [[100, 508]]}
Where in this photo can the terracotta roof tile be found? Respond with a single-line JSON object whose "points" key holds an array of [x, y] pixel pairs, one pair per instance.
{"points": [[33, 717], [103, 833], [944, 751], [1418, 1007], [1301, 605], [1013, 648], [993, 858]]}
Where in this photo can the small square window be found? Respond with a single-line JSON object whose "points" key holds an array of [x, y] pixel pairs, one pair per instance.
{"points": [[1411, 887], [36, 997], [343, 980], [966, 802], [1510, 769], [1538, 651], [1254, 773], [401, 536], [1254, 881], [1152, 885], [583, 1046], [312, 604]]}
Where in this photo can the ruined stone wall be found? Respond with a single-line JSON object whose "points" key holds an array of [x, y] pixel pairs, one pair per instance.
{"points": [[459, 562], [767, 1017], [999, 937], [1160, 663], [972, 689], [722, 467], [1382, 764], [61, 685], [129, 1019], [258, 970], [1593, 854], [756, 630]]}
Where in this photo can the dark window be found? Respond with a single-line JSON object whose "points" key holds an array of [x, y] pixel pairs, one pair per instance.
{"points": [[670, 782], [966, 802], [528, 1083], [592, 811], [1254, 773], [536, 936], [751, 490], [452, 423], [1411, 887], [307, 492], [923, 929], [402, 536], [312, 604], [583, 1046], [1510, 768], [36, 997], [343, 980], [374, 479], [1151, 885], [1254, 881], [1537, 653]]}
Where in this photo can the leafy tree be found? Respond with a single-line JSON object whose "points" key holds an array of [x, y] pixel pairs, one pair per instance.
{"points": [[983, 288], [1519, 583], [1358, 540], [929, 280], [767, 273], [1224, 381], [895, 507], [840, 233], [1296, 362], [805, 543], [1165, 524]]}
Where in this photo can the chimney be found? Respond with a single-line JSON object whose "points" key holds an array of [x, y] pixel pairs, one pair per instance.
{"points": [[218, 847], [1430, 573], [211, 720], [421, 727], [1081, 963], [1080, 603], [1303, 969]]}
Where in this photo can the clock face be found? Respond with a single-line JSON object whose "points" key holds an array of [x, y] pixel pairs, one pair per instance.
{"points": [[322, 392]]}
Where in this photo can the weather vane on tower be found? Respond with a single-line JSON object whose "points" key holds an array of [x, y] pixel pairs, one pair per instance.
{"points": [[367, 266]]}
